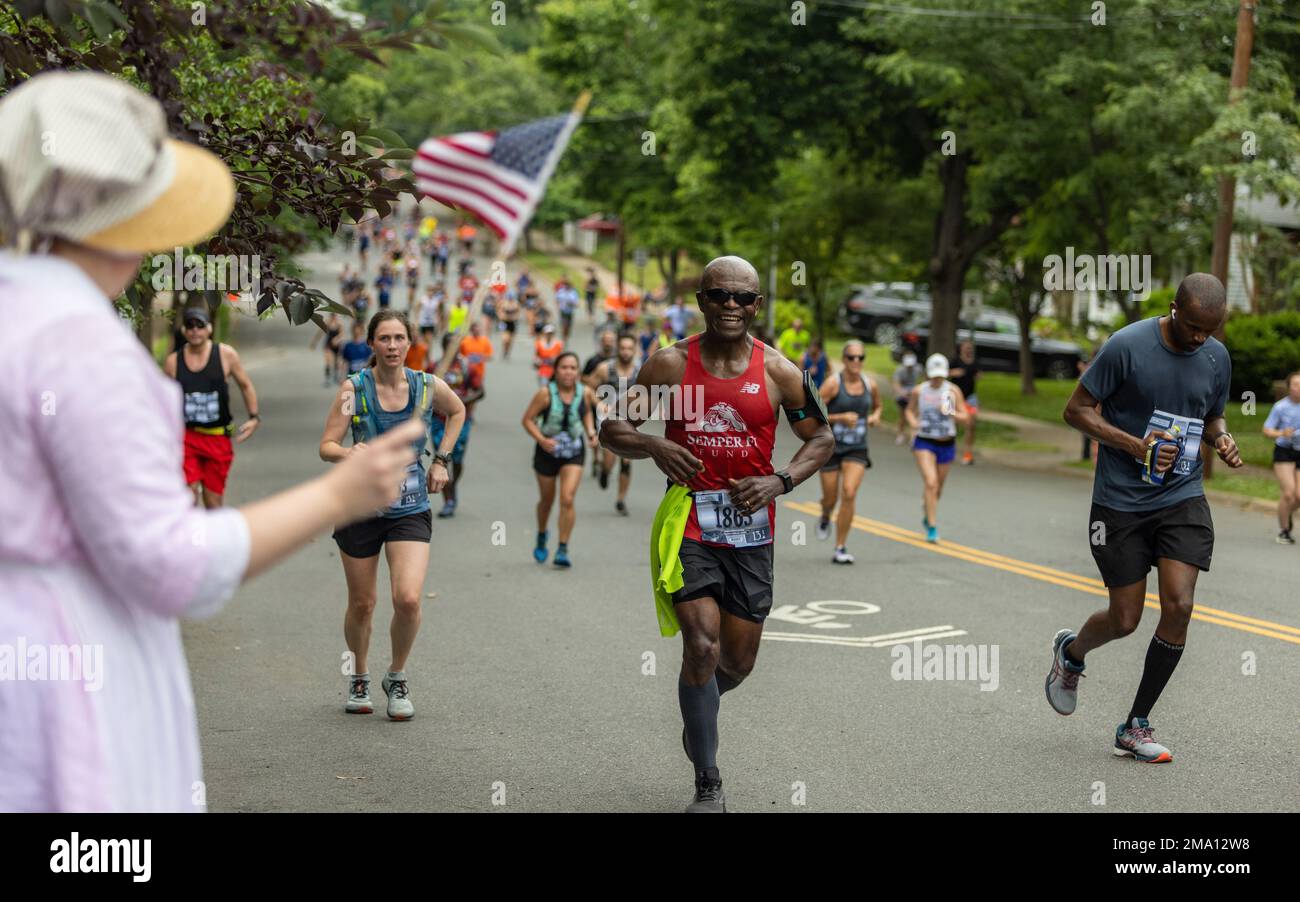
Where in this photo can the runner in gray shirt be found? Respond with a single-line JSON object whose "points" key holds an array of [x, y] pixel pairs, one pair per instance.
{"points": [[1157, 390]]}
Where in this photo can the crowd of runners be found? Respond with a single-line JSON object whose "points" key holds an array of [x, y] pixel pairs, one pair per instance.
{"points": [[429, 354]]}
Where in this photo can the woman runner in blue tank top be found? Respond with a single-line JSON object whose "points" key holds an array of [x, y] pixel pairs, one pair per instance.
{"points": [[559, 416], [853, 403], [381, 396]]}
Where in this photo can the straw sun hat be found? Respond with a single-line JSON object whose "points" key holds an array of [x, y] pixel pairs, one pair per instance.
{"points": [[86, 157]]}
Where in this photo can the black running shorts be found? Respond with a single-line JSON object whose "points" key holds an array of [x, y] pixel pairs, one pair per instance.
{"points": [[546, 464], [739, 579], [1126, 544], [365, 538], [858, 454], [1283, 455]]}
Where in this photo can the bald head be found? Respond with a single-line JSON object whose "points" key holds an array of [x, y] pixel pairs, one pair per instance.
{"points": [[1203, 290], [733, 273]]}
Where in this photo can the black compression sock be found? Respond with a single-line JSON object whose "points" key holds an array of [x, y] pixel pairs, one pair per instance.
{"points": [[1162, 658], [699, 706], [724, 681], [1071, 658]]}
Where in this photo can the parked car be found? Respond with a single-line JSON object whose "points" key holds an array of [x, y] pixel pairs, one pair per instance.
{"points": [[997, 345], [874, 312]]}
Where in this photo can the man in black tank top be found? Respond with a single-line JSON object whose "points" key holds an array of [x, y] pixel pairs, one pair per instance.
{"points": [[202, 367]]}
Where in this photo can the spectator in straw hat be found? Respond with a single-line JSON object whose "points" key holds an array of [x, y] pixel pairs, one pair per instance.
{"points": [[103, 551]]}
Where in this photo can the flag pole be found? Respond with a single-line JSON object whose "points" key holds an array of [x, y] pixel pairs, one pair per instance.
{"points": [[508, 249]]}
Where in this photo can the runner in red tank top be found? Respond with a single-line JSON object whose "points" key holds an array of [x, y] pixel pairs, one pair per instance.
{"points": [[723, 388]]}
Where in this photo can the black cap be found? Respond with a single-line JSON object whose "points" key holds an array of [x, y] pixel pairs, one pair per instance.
{"points": [[197, 313]]}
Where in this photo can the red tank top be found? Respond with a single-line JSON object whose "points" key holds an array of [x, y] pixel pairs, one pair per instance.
{"points": [[732, 427]]}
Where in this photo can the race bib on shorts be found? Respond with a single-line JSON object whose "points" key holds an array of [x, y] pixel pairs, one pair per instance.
{"points": [[721, 523], [850, 435], [566, 446]]}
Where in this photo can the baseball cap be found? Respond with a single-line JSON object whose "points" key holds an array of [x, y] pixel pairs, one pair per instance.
{"points": [[936, 365], [197, 313], [909, 359]]}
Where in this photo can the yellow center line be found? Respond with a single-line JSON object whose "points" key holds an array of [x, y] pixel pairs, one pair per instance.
{"points": [[1051, 575]]}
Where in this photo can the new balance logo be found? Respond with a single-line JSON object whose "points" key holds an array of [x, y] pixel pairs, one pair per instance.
{"points": [[750, 388]]}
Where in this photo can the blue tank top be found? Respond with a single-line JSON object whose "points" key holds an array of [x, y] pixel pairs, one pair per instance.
{"points": [[414, 496]]}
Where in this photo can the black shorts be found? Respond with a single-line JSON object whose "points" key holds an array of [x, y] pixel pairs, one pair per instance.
{"points": [[364, 539], [739, 579], [510, 325], [1127, 544], [858, 454], [546, 464], [1282, 455]]}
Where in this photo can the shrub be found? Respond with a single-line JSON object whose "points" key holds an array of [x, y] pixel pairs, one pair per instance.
{"points": [[1263, 349]]}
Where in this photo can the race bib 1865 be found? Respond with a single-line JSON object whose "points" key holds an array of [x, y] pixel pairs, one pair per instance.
{"points": [[720, 522]]}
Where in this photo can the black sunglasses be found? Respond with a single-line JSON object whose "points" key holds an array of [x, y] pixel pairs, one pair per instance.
{"points": [[194, 324], [855, 357], [722, 295]]}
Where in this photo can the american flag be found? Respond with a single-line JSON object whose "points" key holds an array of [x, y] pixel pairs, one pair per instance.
{"points": [[498, 176]]}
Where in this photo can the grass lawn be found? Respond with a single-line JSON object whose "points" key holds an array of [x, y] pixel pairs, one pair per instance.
{"points": [[544, 266]]}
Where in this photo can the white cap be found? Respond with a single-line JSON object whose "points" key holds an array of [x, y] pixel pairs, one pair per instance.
{"points": [[909, 359], [936, 365]]}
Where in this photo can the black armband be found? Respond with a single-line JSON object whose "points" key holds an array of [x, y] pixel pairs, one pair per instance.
{"points": [[812, 404]]}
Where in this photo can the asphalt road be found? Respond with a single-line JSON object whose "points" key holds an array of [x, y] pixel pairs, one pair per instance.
{"points": [[542, 690]]}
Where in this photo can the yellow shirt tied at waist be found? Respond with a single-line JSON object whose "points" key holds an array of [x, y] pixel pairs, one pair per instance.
{"points": [[665, 549]]}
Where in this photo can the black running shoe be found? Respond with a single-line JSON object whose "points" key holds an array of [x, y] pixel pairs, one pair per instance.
{"points": [[709, 798], [604, 478], [1284, 538]]}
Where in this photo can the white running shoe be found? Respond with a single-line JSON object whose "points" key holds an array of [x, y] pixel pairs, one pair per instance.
{"points": [[359, 695], [399, 702], [842, 556], [1062, 686], [1135, 740]]}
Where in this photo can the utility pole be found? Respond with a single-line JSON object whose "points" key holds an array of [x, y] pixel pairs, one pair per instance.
{"points": [[1219, 257]]}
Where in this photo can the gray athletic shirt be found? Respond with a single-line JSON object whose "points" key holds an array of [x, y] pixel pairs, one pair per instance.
{"points": [[1135, 375]]}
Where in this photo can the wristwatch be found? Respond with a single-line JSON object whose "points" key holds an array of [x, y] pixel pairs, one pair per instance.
{"points": [[786, 481], [441, 457]]}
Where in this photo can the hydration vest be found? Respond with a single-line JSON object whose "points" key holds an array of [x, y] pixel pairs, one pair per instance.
{"points": [[365, 419], [552, 422]]}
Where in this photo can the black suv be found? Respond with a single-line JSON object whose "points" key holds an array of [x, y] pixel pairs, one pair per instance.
{"points": [[875, 312], [997, 345]]}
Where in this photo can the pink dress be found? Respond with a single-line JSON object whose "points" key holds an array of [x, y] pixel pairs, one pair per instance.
{"points": [[101, 553]]}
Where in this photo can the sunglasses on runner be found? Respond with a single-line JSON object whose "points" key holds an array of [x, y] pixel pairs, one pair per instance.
{"points": [[858, 357], [722, 295], [194, 324]]}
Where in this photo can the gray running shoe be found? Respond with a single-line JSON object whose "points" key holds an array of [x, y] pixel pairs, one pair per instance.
{"points": [[824, 529], [709, 798], [1135, 741], [359, 695], [1062, 685], [399, 702]]}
